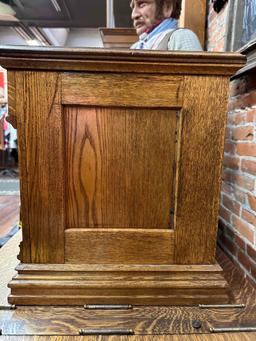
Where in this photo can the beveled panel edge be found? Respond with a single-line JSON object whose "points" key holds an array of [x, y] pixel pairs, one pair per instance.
{"points": [[78, 59]]}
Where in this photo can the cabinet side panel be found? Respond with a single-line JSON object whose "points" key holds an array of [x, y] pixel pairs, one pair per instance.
{"points": [[200, 164], [41, 152]]}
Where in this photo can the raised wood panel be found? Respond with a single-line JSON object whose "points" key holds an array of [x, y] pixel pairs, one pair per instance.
{"points": [[122, 90], [200, 164], [41, 155], [118, 246], [120, 166]]}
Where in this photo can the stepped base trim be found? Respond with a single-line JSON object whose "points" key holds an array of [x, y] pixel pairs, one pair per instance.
{"points": [[65, 284]]}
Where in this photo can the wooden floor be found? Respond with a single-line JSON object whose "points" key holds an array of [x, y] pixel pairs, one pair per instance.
{"points": [[148, 323], [9, 213], [222, 337]]}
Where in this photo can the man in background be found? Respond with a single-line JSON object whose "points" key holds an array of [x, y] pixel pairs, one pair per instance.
{"points": [[156, 23]]}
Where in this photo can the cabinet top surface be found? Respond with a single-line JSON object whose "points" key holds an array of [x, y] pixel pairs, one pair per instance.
{"points": [[98, 59]]}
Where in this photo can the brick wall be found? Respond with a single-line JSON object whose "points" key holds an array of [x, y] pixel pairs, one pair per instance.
{"points": [[237, 228], [237, 233], [216, 28]]}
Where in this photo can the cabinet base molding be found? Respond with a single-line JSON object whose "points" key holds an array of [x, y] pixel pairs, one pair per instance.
{"points": [[65, 284]]}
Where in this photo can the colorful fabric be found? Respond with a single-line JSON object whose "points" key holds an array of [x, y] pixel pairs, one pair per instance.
{"points": [[147, 41]]}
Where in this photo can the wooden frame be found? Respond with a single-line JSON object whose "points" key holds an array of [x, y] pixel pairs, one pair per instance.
{"points": [[81, 116]]}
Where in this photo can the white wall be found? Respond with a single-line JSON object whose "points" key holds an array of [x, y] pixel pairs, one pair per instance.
{"points": [[8, 36], [84, 37], [57, 36], [75, 37]]}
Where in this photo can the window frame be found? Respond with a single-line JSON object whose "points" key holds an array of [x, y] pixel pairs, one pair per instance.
{"points": [[234, 22]]}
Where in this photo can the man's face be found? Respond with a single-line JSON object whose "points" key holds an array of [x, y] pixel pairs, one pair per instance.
{"points": [[143, 14]]}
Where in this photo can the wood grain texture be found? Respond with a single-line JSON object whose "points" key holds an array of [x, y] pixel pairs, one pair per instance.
{"points": [[11, 78], [185, 176], [122, 90], [199, 177], [120, 166], [166, 62], [219, 337], [143, 320], [119, 246], [42, 172], [117, 284]]}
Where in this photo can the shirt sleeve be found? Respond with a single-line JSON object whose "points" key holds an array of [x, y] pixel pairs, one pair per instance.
{"points": [[184, 40]]}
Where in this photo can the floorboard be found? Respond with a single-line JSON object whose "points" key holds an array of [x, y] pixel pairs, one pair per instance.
{"points": [[220, 337], [9, 213]]}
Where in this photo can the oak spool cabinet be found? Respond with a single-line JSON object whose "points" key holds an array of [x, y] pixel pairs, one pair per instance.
{"points": [[120, 160]]}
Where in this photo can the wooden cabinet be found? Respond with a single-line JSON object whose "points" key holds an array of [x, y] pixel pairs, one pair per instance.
{"points": [[120, 161]]}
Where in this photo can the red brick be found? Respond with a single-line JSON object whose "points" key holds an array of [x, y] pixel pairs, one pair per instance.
{"points": [[230, 147], [233, 104], [243, 228], [227, 175], [231, 205], [224, 214], [239, 196], [227, 188], [251, 252], [252, 202], [244, 260], [251, 115], [228, 133], [243, 117], [237, 118], [243, 101], [240, 242], [246, 149], [244, 182], [249, 217], [231, 162], [249, 166], [220, 46], [233, 192], [243, 133]]}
